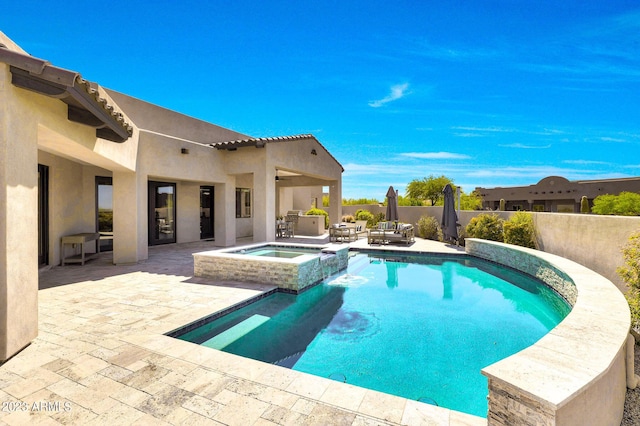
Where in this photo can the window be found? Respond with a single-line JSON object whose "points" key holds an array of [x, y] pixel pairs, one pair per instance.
{"points": [[538, 207], [243, 202]]}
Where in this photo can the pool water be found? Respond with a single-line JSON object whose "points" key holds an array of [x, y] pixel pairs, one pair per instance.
{"points": [[420, 327], [276, 251]]}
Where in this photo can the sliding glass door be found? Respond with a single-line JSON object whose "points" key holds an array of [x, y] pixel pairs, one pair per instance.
{"points": [[162, 213], [43, 215], [206, 212]]}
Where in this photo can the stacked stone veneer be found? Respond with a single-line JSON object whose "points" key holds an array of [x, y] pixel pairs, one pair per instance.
{"points": [[526, 262], [294, 274], [575, 375]]}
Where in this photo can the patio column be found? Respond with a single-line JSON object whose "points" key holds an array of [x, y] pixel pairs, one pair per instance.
{"points": [[130, 217], [264, 205], [335, 201], [18, 221], [225, 213]]}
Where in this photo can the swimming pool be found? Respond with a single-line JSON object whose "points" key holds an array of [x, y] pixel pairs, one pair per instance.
{"points": [[421, 327]]}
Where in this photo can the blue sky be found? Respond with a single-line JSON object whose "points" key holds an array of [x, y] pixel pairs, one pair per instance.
{"points": [[488, 93]]}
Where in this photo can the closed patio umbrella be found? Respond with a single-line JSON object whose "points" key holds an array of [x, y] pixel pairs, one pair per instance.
{"points": [[392, 205], [449, 216]]}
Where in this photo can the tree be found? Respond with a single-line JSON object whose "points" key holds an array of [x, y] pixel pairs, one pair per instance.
{"points": [[471, 201], [359, 201], [428, 188], [624, 204], [407, 201]]}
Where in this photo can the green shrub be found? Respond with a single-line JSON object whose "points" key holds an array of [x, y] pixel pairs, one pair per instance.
{"points": [[378, 217], [633, 297], [428, 228], [316, 212], [519, 230], [362, 214], [623, 204], [630, 274], [486, 226]]}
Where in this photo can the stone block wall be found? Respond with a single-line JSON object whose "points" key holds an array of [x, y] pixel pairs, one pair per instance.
{"points": [[293, 274], [526, 262]]}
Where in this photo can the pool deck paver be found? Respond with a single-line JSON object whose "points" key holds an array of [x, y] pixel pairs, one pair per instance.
{"points": [[101, 357]]}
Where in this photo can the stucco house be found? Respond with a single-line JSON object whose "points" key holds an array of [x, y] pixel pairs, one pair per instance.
{"points": [[555, 194], [77, 158]]}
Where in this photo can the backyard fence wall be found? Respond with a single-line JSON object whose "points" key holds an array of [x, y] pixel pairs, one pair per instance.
{"points": [[594, 241]]}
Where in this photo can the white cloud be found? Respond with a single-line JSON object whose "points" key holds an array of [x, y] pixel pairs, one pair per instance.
{"points": [[609, 139], [585, 162], [398, 91], [523, 146], [484, 129], [436, 155]]}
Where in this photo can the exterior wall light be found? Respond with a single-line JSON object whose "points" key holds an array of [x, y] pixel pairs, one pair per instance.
{"points": [[313, 152]]}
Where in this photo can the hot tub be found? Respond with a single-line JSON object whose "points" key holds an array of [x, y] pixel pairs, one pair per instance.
{"points": [[291, 267]]}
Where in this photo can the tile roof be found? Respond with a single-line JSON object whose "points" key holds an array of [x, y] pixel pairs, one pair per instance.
{"points": [[86, 106], [261, 142]]}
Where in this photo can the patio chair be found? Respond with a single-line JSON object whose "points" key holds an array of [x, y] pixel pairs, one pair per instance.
{"points": [[361, 228]]}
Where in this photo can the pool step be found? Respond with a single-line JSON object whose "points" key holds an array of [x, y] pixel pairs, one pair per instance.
{"points": [[289, 361], [234, 333]]}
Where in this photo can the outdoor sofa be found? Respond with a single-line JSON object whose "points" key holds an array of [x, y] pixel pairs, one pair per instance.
{"points": [[391, 232]]}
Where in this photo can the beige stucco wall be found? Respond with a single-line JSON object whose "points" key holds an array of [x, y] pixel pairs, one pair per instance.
{"points": [[591, 240], [164, 121], [18, 219]]}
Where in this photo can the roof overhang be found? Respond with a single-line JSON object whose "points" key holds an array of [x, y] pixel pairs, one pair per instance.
{"points": [[257, 142], [262, 142], [85, 105]]}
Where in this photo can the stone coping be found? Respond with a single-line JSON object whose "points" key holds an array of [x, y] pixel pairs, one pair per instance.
{"points": [[233, 252], [579, 351]]}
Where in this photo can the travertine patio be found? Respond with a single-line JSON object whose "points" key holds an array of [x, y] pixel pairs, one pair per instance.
{"points": [[101, 357]]}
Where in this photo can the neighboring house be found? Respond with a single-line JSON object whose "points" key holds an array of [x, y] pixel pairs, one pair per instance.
{"points": [[78, 158], [555, 194]]}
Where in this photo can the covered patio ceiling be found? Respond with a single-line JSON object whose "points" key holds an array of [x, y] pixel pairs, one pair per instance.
{"points": [[287, 178]]}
